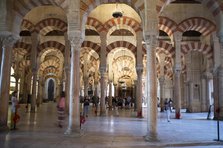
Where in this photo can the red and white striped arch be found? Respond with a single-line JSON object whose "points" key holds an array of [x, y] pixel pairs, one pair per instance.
{"points": [[202, 25], [22, 7], [123, 21], [123, 44], [205, 49], [51, 44], [27, 25], [91, 45], [167, 25], [51, 24], [165, 47], [22, 48], [95, 23], [49, 63], [23, 64], [213, 5]]}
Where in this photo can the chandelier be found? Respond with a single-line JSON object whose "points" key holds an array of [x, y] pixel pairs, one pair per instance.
{"points": [[117, 13]]}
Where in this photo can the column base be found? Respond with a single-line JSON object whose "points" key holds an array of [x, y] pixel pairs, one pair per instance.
{"points": [[151, 137], [73, 133], [178, 115], [4, 128], [33, 110], [139, 114]]}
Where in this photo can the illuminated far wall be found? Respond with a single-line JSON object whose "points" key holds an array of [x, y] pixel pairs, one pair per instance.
{"points": [[13, 83]]}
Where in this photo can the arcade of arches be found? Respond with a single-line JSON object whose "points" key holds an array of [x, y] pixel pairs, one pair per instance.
{"points": [[157, 48]]}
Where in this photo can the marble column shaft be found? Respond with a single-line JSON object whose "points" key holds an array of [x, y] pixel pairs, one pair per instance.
{"points": [[110, 95], [103, 71], [139, 71], [35, 40], [67, 69], [103, 92], [203, 95], [74, 108], [161, 82], [151, 87], [177, 74], [6, 57]]}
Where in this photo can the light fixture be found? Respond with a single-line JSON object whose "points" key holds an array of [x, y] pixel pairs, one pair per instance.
{"points": [[117, 13]]}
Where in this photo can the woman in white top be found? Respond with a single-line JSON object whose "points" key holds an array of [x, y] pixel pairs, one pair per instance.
{"points": [[13, 109]]}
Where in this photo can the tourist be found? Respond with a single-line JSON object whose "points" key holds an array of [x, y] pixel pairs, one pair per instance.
{"points": [[61, 109]]}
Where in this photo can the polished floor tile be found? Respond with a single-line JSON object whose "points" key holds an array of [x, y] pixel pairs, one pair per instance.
{"points": [[40, 130]]}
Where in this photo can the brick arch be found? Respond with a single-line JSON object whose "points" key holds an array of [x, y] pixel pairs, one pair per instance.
{"points": [[205, 49], [124, 44], [123, 21], [91, 45], [22, 8], [202, 25], [167, 25], [213, 5], [52, 44], [48, 63], [166, 48], [95, 23], [88, 6], [27, 25], [23, 64], [22, 45], [50, 24]]}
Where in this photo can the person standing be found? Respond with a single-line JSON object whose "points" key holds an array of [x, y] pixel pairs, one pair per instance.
{"points": [[167, 109], [61, 109], [86, 106], [14, 106]]}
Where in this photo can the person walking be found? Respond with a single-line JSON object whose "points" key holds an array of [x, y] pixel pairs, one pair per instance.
{"points": [[167, 109], [86, 106], [14, 116], [61, 109]]}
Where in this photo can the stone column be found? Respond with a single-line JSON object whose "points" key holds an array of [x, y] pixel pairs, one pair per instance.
{"points": [[161, 81], [35, 40], [74, 108], [177, 93], [177, 74], [203, 95], [151, 87], [6, 42], [110, 95], [208, 94], [67, 70], [115, 89], [85, 74], [103, 71], [103, 92], [190, 96], [219, 102], [139, 71], [39, 95]]}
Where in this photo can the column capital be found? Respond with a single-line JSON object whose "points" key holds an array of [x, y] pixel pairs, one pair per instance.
{"points": [[177, 68], [150, 39], [102, 69], [7, 39], [139, 68], [220, 37], [162, 79], [178, 36], [75, 38]]}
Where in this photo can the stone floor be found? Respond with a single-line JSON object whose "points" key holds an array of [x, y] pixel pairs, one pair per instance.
{"points": [[39, 130]]}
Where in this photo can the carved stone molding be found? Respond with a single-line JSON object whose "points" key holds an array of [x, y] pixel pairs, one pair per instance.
{"points": [[7, 40], [178, 36], [75, 39]]}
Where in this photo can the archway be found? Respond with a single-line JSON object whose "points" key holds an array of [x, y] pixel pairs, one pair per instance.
{"points": [[51, 90]]}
